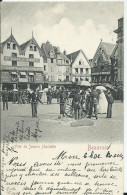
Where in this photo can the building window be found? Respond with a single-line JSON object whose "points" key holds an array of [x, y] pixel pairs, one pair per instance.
{"points": [[14, 54], [14, 46], [76, 70], [51, 60], [22, 76], [14, 77], [35, 48], [59, 78], [67, 69], [67, 78], [80, 62], [8, 45], [67, 61], [51, 69], [31, 78], [31, 64], [31, 48], [31, 55], [87, 70], [14, 63], [87, 79], [44, 67], [81, 70]]}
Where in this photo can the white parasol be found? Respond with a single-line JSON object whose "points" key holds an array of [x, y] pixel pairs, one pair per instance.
{"points": [[15, 89], [85, 83], [46, 89], [101, 88]]}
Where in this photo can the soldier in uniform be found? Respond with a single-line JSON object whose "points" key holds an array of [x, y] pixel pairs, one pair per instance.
{"points": [[94, 96], [34, 103], [5, 95], [62, 101], [76, 103], [58, 95], [49, 96]]}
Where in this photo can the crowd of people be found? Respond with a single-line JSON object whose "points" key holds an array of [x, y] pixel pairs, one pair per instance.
{"points": [[90, 101]]}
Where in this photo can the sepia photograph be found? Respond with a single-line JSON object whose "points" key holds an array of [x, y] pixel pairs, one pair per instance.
{"points": [[62, 97]]}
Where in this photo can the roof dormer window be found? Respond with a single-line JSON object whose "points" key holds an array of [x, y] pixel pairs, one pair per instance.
{"points": [[31, 48], [51, 60], [80, 62], [14, 46], [35, 48], [8, 45]]}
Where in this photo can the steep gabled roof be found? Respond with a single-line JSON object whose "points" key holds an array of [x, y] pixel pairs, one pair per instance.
{"points": [[10, 39], [61, 55], [27, 43], [24, 45], [74, 55], [109, 48], [46, 48]]}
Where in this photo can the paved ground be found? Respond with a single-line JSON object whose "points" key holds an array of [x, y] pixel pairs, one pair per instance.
{"points": [[61, 130]]}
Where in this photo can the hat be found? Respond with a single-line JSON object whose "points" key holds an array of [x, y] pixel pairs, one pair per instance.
{"points": [[89, 90], [109, 92]]}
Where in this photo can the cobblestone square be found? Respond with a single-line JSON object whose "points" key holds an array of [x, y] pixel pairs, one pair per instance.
{"points": [[61, 130]]}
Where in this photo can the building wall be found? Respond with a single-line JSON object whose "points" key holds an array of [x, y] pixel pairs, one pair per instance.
{"points": [[120, 53], [11, 74], [8, 53], [63, 73], [84, 70], [56, 71], [52, 69], [23, 60], [39, 61]]}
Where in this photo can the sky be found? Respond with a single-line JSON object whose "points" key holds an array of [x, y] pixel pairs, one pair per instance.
{"points": [[69, 25]]}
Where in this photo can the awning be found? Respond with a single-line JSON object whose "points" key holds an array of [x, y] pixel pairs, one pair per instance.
{"points": [[13, 72], [31, 73], [23, 73]]}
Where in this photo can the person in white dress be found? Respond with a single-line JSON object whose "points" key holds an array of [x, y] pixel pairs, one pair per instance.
{"points": [[103, 103]]}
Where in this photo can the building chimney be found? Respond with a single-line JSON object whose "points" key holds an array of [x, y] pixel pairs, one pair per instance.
{"points": [[64, 52], [58, 50]]}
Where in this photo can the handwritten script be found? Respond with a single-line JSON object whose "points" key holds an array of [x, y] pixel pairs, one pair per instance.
{"points": [[63, 172]]}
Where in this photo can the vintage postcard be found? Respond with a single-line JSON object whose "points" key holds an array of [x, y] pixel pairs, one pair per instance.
{"points": [[62, 97]]}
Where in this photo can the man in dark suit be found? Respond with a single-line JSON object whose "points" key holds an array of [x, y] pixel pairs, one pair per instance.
{"points": [[34, 103], [5, 95], [63, 98]]}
